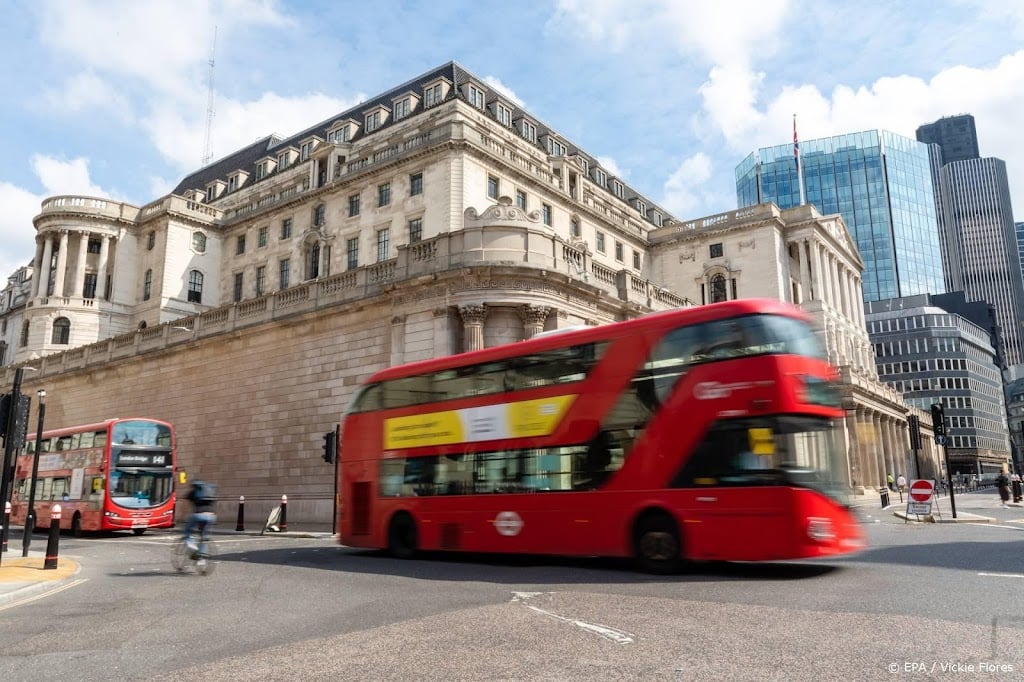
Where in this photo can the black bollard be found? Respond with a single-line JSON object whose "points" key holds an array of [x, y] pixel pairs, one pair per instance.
{"points": [[240, 524], [7, 524], [884, 492], [283, 524], [54, 539]]}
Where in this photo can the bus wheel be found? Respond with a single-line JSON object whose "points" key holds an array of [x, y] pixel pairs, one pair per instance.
{"points": [[76, 525], [656, 544], [138, 531], [402, 536]]}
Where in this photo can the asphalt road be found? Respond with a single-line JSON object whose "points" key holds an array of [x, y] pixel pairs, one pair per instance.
{"points": [[925, 600]]}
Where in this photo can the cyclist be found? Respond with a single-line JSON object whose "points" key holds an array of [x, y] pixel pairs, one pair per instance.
{"points": [[203, 499]]}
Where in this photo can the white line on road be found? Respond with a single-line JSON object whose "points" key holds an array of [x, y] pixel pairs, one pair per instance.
{"points": [[617, 636], [55, 590], [1002, 575]]}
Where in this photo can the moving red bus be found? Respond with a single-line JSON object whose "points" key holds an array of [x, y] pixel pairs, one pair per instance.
{"points": [[704, 433], [113, 475]]}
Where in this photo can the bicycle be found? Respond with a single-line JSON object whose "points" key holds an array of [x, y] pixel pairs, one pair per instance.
{"points": [[201, 561]]}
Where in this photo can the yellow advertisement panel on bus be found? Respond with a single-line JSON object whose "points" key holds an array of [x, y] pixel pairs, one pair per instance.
{"points": [[521, 419]]}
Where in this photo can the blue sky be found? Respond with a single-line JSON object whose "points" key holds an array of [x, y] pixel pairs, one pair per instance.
{"points": [[109, 97]]}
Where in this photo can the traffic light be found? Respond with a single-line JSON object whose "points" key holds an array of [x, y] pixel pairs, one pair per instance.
{"points": [[330, 446], [939, 420], [914, 424]]}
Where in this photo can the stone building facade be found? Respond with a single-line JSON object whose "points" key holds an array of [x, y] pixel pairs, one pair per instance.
{"points": [[439, 217]]}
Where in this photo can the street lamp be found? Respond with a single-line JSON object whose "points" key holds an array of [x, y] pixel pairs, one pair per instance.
{"points": [[30, 515]]}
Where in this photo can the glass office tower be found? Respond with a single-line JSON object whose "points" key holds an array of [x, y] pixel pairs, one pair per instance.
{"points": [[880, 183]]}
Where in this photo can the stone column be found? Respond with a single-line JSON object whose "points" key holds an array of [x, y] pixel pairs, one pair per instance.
{"points": [[869, 450], [62, 265], [804, 247], [533, 317], [473, 323], [37, 267], [44, 268], [101, 269], [83, 250], [857, 474], [815, 258]]}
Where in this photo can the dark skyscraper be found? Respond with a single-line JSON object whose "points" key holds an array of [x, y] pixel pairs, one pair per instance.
{"points": [[955, 134]]}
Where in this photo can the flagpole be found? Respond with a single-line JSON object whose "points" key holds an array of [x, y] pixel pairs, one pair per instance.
{"points": [[799, 164]]}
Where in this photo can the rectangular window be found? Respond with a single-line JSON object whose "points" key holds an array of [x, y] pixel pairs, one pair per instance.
{"points": [[282, 160], [286, 228], [432, 95], [261, 280], [521, 199], [373, 121], [89, 290], [617, 188], [352, 253], [492, 187], [599, 239], [618, 251], [238, 287], [546, 214], [415, 230], [284, 272], [476, 97], [93, 246], [261, 237], [383, 244], [600, 177], [555, 148], [529, 131], [503, 114], [318, 215], [305, 150], [240, 245], [415, 184], [402, 108], [384, 194], [261, 170], [232, 183], [353, 205], [715, 250], [641, 208], [636, 260]]}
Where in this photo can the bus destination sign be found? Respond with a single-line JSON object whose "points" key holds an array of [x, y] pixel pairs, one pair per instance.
{"points": [[143, 459]]}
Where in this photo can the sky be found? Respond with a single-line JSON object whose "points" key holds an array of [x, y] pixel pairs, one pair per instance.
{"points": [[112, 98]]}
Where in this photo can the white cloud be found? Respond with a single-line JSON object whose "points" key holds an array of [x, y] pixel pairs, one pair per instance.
{"points": [[87, 91], [16, 230], [609, 164], [180, 138], [503, 89], [685, 191], [66, 177]]}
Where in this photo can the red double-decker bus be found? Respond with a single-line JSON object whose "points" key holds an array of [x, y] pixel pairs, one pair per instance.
{"points": [[705, 433], [113, 475]]}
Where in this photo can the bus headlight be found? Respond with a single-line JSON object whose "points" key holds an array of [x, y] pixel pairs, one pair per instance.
{"points": [[820, 529]]}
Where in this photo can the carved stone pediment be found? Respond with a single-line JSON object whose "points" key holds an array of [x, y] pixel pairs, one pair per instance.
{"points": [[501, 213]]}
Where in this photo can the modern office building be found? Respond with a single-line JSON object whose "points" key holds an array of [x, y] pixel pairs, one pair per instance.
{"points": [[248, 304], [880, 183], [930, 355], [980, 248], [1019, 230], [957, 136]]}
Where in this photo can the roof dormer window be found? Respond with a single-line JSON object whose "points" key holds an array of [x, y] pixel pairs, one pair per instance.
{"points": [[305, 150], [503, 114], [600, 177], [555, 148], [373, 121], [528, 130], [403, 108], [435, 92], [617, 188], [475, 96], [641, 207], [232, 183]]}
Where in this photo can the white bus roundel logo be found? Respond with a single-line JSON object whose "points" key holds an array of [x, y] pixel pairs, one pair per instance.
{"points": [[508, 523]]}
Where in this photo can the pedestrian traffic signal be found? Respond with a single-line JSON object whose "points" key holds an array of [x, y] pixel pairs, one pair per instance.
{"points": [[938, 420], [914, 425], [330, 446]]}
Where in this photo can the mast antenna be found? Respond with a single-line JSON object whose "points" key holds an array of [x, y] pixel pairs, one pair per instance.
{"points": [[207, 151]]}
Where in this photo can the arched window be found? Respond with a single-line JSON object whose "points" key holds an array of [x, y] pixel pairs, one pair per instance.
{"points": [[718, 292], [195, 287], [61, 331], [199, 242], [147, 285]]}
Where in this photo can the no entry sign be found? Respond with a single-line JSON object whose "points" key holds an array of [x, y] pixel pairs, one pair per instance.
{"points": [[921, 490]]}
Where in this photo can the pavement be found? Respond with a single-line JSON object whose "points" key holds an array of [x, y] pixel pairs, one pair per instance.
{"points": [[25, 578]]}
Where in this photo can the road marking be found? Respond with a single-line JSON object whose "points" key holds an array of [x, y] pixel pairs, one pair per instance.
{"points": [[617, 636], [48, 593], [1002, 575]]}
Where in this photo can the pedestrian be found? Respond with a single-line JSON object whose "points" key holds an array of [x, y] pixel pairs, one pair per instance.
{"points": [[888, 479], [1003, 484], [1018, 491], [901, 483]]}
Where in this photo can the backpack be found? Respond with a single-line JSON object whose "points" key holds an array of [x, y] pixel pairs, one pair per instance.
{"points": [[205, 492]]}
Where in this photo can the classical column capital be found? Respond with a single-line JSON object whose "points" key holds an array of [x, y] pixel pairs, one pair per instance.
{"points": [[474, 313]]}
